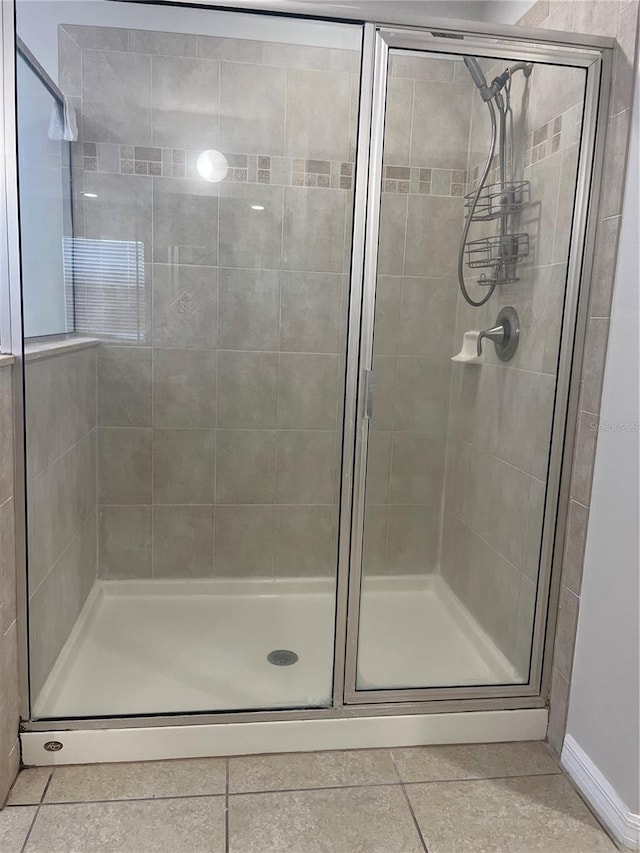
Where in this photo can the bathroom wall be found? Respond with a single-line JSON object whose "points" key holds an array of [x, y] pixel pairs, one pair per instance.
{"points": [[500, 417], [604, 709], [620, 21], [220, 385], [60, 411], [9, 714], [424, 165]]}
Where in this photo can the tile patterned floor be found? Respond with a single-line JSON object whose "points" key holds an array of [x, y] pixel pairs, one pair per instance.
{"points": [[493, 798]]}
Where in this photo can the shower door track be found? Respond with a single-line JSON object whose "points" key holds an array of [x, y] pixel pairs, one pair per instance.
{"points": [[386, 717]]}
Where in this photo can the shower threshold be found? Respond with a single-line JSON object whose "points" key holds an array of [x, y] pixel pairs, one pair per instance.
{"points": [[180, 646]]}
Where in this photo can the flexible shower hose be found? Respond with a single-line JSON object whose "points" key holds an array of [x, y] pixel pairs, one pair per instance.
{"points": [[472, 210]]}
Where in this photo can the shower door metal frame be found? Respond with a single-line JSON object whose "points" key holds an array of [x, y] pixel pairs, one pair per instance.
{"points": [[392, 27], [597, 66]]}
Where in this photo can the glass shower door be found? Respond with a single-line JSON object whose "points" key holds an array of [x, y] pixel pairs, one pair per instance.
{"points": [[457, 446], [183, 529]]}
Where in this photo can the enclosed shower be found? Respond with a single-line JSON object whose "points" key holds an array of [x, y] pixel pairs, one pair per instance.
{"points": [[296, 380]]}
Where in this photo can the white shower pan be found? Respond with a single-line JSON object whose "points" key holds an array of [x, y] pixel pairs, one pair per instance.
{"points": [[148, 647]]}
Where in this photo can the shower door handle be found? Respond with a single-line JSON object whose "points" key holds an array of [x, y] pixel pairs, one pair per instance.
{"points": [[368, 394]]}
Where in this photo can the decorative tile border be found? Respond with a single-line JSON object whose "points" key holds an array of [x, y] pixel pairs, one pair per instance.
{"points": [[243, 168], [421, 180]]}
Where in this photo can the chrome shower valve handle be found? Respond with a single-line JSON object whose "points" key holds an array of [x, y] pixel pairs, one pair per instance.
{"points": [[505, 334]]}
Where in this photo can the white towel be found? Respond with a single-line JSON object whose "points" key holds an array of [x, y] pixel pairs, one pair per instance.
{"points": [[63, 123]]}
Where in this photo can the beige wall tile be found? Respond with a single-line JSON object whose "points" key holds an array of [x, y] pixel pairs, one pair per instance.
{"points": [[114, 110], [422, 395], [604, 266], [317, 117], [6, 434], [391, 239], [185, 220], [8, 580], [427, 317], [247, 390], [314, 229], [245, 466], [412, 544], [167, 44], [124, 386], [311, 312], [576, 536], [62, 391], [124, 541], [124, 466], [250, 238], [185, 102], [249, 309], [566, 632], [59, 501], [307, 391], [121, 211], [417, 469], [378, 467], [303, 544], [384, 391], [387, 315], [56, 604], [584, 453], [183, 466], [440, 130], [613, 173], [305, 467], [98, 38], [252, 109], [238, 50], [433, 233], [182, 541], [243, 541], [184, 388], [185, 306], [558, 711], [69, 64], [398, 115], [593, 363], [374, 546]]}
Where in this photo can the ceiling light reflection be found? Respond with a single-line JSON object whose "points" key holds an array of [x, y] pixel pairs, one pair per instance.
{"points": [[212, 166]]}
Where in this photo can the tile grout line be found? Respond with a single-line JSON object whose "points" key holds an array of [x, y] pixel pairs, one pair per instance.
{"points": [[37, 812], [408, 802], [228, 794]]}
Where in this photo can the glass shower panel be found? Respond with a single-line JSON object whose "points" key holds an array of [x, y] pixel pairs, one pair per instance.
{"points": [[45, 196], [183, 529], [458, 450]]}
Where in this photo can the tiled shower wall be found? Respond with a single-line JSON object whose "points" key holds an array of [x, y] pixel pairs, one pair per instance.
{"points": [[219, 418], [426, 138], [60, 407], [500, 417], [9, 693]]}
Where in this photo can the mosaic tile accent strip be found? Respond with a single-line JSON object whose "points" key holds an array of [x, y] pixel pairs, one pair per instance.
{"points": [[243, 168], [424, 181]]}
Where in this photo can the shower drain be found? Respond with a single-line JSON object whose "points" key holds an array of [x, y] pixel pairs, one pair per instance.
{"points": [[282, 657]]}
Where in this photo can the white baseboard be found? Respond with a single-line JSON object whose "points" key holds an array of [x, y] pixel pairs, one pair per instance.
{"points": [[612, 811], [91, 746]]}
